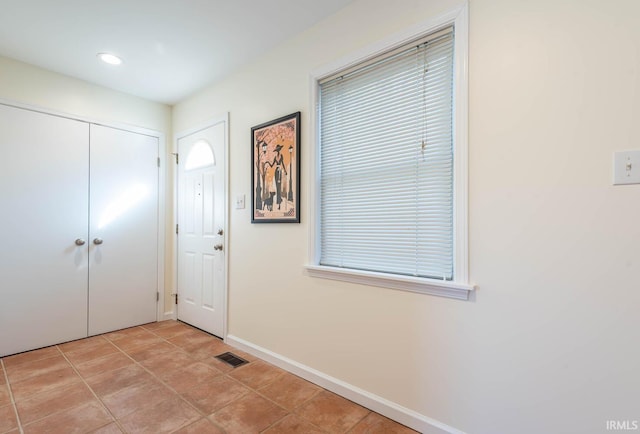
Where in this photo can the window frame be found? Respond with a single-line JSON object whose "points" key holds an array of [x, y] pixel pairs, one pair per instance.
{"points": [[459, 287]]}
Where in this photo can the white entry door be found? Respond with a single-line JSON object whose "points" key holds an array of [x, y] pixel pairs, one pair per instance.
{"points": [[201, 220], [44, 173], [123, 229]]}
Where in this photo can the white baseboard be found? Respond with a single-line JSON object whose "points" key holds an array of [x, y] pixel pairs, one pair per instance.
{"points": [[405, 416], [167, 316]]}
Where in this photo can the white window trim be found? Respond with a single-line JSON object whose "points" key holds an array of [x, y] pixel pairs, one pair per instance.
{"points": [[459, 288]]}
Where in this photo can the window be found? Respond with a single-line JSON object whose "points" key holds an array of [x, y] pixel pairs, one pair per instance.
{"points": [[391, 195], [201, 155]]}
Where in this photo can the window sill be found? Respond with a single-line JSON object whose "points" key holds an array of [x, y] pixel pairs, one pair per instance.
{"points": [[405, 283]]}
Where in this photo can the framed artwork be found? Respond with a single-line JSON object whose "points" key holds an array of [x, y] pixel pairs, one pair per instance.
{"points": [[275, 174]]}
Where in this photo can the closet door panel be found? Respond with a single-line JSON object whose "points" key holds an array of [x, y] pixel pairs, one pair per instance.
{"points": [[44, 169], [123, 229]]}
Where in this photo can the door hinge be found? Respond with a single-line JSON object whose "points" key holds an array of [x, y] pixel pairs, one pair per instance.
{"points": [[158, 161], [177, 229], [176, 298], [176, 155], [157, 296]]}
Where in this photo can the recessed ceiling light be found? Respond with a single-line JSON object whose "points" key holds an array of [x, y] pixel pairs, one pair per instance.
{"points": [[110, 58]]}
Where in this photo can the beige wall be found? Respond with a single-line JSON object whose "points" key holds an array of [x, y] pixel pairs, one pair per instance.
{"points": [[550, 343], [27, 84]]}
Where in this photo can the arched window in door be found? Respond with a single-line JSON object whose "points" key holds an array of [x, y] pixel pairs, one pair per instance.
{"points": [[200, 155]]}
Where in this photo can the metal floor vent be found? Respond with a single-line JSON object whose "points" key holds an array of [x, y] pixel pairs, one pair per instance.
{"points": [[231, 359]]}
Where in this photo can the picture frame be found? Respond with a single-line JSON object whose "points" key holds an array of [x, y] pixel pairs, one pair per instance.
{"points": [[275, 171]]}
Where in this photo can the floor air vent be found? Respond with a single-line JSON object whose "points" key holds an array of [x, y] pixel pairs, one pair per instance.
{"points": [[232, 359]]}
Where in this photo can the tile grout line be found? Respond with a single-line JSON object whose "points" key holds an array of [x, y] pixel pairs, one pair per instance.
{"points": [[358, 422], [277, 421], [11, 398], [222, 374], [146, 370], [135, 362], [293, 411], [103, 336], [73, 366], [32, 396], [115, 420], [225, 374], [257, 392], [162, 381], [251, 389]]}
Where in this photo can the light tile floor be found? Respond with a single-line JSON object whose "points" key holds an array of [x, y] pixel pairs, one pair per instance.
{"points": [[163, 378]]}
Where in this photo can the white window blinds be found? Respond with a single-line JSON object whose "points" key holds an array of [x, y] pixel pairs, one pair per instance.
{"points": [[386, 169]]}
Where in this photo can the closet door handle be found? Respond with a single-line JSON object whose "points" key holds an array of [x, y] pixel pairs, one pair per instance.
{"points": [[80, 242], [97, 241]]}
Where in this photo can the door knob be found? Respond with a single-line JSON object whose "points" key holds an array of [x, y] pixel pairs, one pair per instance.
{"points": [[80, 242], [217, 247], [97, 241]]}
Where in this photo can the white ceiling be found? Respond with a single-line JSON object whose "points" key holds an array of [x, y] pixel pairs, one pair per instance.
{"points": [[170, 48]]}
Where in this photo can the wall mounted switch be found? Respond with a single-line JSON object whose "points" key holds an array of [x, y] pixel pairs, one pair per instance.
{"points": [[626, 167], [240, 201]]}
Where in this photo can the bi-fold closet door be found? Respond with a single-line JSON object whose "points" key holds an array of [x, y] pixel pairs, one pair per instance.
{"points": [[79, 229]]}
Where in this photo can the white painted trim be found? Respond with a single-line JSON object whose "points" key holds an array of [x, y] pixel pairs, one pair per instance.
{"points": [[460, 287], [313, 165], [162, 146], [174, 262], [61, 114], [461, 146], [167, 316], [227, 218], [390, 409], [162, 203], [222, 118], [406, 283], [215, 120]]}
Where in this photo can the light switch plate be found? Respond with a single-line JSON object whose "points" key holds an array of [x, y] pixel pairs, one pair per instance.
{"points": [[240, 201], [626, 167]]}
